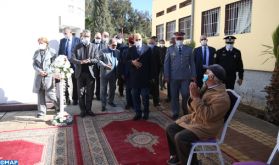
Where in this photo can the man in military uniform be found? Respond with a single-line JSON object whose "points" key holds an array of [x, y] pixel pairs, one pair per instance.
{"points": [[179, 70], [230, 59]]}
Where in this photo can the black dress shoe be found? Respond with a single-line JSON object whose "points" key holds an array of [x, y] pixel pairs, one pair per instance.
{"points": [[112, 104], [173, 161], [137, 117], [90, 113], [104, 109], [82, 114]]}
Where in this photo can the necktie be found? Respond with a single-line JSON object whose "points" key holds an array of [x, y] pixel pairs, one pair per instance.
{"points": [[204, 56], [180, 50]]}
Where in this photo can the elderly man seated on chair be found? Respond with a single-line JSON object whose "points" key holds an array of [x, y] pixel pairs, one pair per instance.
{"points": [[207, 109]]}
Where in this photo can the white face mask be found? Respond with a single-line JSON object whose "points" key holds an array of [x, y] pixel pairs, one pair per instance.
{"points": [[138, 43], [229, 46], [179, 42], [86, 41], [162, 45], [119, 41], [42, 46], [97, 40], [203, 42]]}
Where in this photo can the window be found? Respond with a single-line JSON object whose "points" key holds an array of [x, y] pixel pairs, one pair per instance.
{"points": [[185, 26], [185, 3], [170, 9], [160, 32], [160, 13], [238, 17], [170, 30], [210, 22]]}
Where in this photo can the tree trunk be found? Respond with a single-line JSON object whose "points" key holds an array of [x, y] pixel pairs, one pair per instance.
{"points": [[272, 97]]}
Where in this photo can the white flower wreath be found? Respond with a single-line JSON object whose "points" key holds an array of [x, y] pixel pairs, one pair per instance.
{"points": [[62, 67]]}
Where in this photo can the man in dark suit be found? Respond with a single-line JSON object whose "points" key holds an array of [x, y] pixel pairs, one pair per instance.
{"points": [[230, 59], [66, 47], [100, 45], [204, 56], [156, 63], [85, 57], [163, 51], [139, 57], [124, 71]]}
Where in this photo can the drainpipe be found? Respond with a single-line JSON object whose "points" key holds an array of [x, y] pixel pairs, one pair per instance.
{"points": [[192, 21]]}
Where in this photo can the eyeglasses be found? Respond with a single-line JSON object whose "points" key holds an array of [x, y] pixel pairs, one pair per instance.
{"points": [[203, 39], [137, 39]]}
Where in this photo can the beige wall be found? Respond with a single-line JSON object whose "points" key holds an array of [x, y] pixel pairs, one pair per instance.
{"points": [[264, 21]]}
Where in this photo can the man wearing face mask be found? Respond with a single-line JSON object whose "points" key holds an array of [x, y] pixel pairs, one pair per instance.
{"points": [[85, 56], [207, 110], [156, 62], [204, 56], [139, 58], [179, 70], [105, 38], [108, 61], [66, 46], [230, 59], [120, 80], [100, 45]]}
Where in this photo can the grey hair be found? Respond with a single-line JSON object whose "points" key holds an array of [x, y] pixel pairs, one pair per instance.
{"points": [[67, 28], [112, 40], [85, 31]]}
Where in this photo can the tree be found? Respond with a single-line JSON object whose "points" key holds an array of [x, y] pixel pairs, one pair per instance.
{"points": [[101, 18], [273, 88], [89, 8]]}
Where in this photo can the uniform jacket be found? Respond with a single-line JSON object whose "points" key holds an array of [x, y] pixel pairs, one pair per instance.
{"points": [[104, 59], [43, 64], [79, 55], [230, 61], [198, 56], [206, 115], [140, 78], [179, 67]]}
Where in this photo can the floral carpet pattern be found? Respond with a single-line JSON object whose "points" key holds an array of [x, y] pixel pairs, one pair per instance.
{"points": [[111, 139], [58, 146]]}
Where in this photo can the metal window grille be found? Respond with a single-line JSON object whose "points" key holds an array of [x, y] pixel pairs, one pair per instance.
{"points": [[170, 30], [210, 22], [185, 26], [160, 32], [238, 17]]}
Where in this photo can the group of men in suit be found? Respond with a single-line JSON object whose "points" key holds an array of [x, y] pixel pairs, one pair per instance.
{"points": [[183, 65]]}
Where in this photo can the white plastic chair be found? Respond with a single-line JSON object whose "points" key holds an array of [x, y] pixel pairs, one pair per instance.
{"points": [[269, 161], [216, 142]]}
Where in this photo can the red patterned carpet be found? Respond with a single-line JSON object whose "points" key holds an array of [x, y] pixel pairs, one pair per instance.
{"points": [[40, 146], [116, 139]]}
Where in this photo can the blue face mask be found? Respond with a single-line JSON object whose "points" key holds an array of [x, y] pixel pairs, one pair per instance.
{"points": [[205, 78]]}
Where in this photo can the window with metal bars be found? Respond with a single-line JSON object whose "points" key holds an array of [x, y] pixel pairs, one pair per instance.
{"points": [[211, 22], [238, 17], [185, 26], [170, 30], [160, 32]]}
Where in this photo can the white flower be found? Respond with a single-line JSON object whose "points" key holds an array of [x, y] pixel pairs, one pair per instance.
{"points": [[61, 66]]}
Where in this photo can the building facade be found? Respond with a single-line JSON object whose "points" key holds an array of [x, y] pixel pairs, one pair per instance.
{"points": [[22, 23], [252, 22]]}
